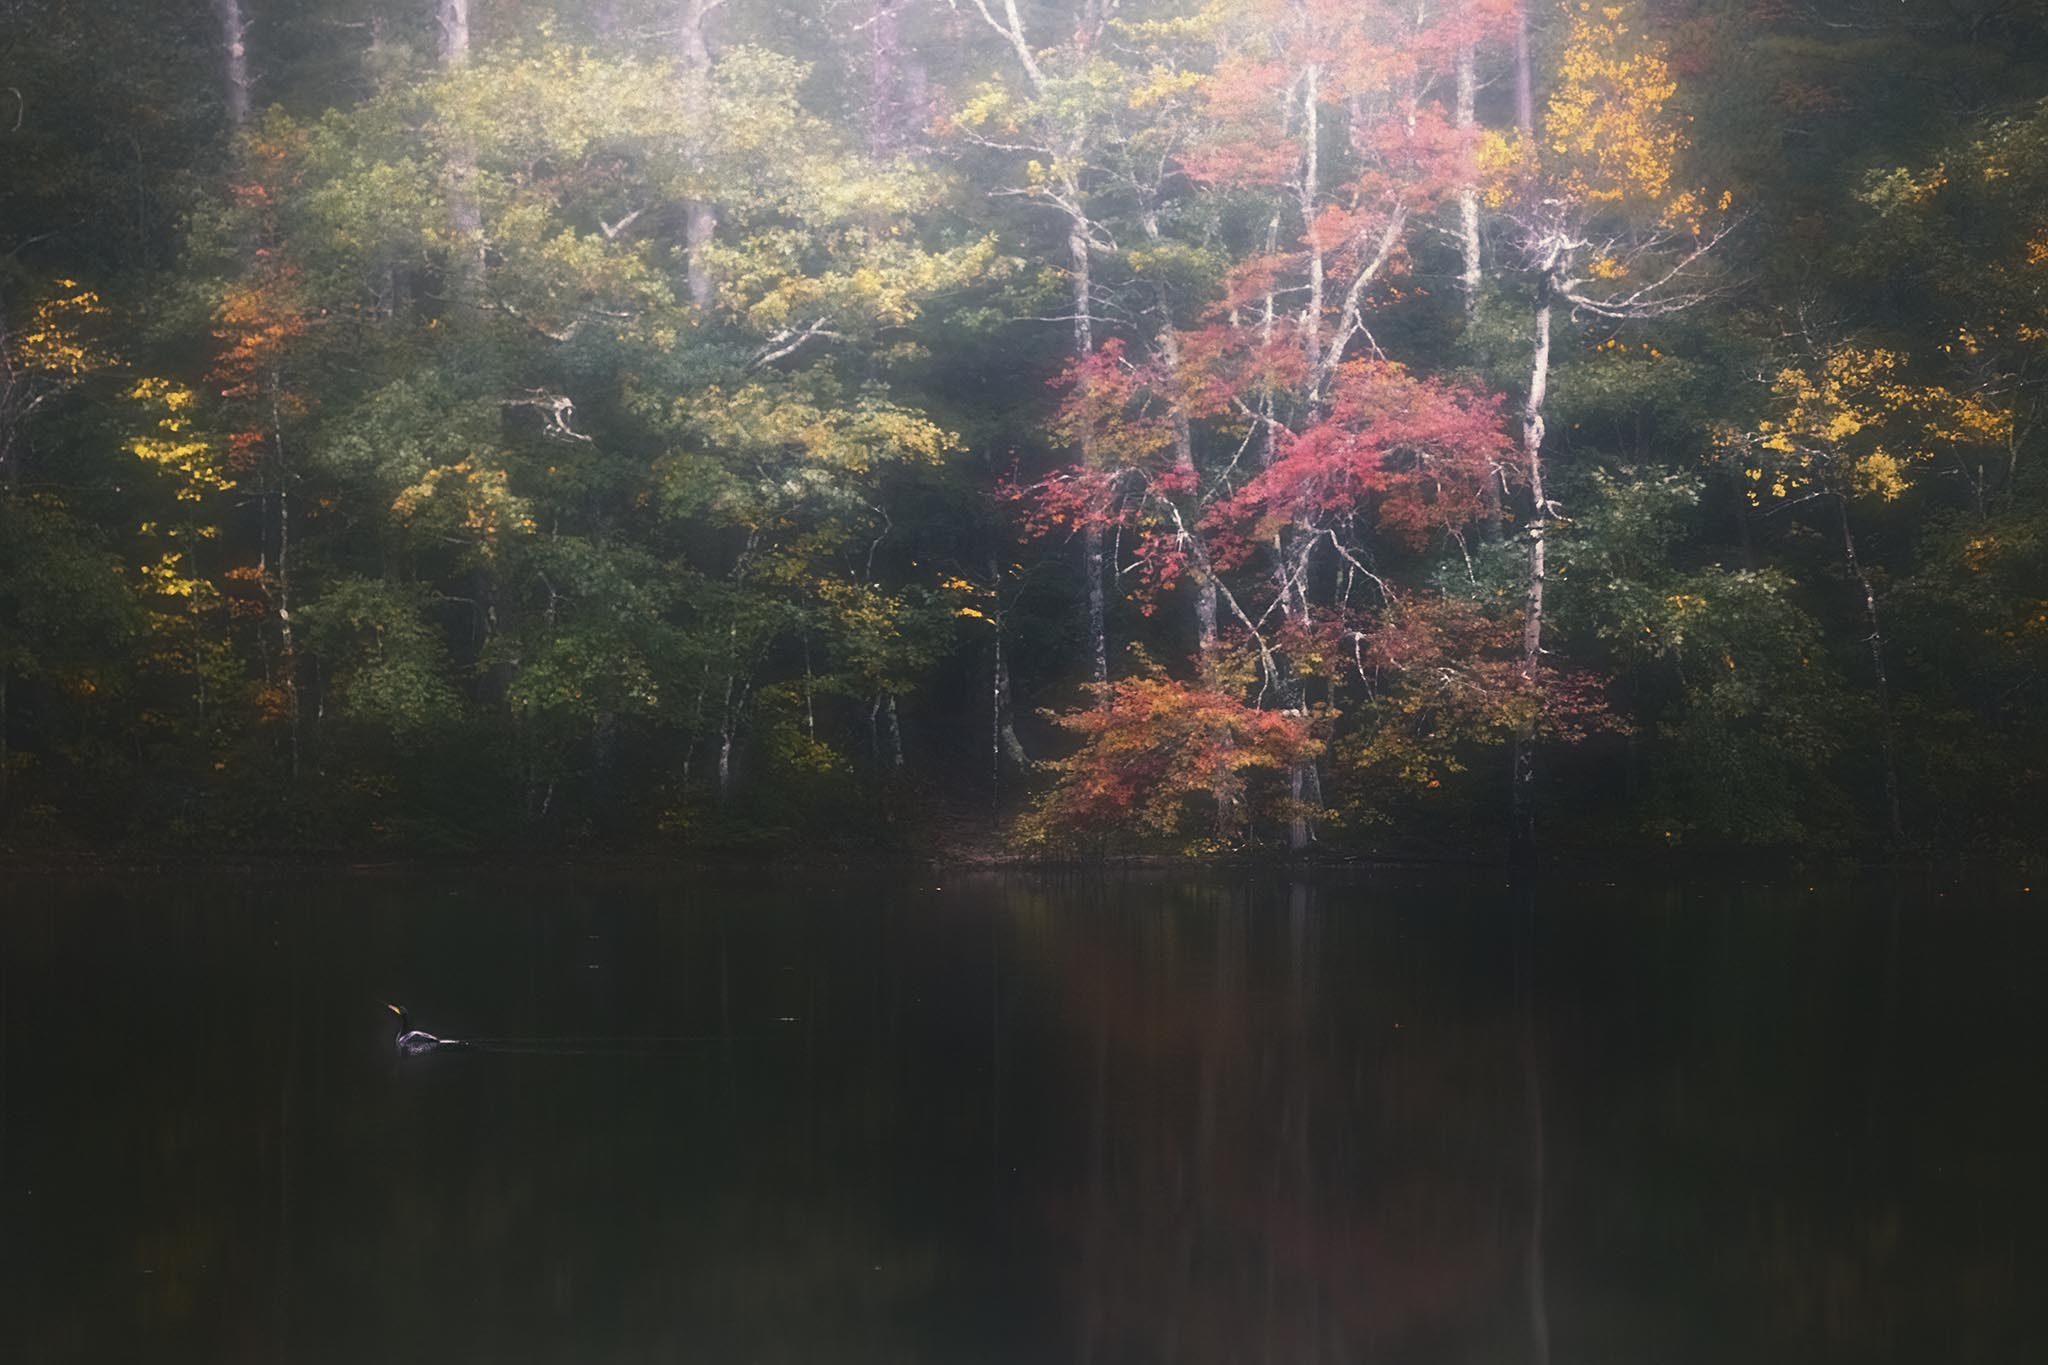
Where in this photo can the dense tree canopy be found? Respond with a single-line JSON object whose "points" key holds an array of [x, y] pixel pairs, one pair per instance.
{"points": [[1091, 424]]}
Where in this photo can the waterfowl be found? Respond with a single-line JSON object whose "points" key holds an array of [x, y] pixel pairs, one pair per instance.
{"points": [[411, 1042]]}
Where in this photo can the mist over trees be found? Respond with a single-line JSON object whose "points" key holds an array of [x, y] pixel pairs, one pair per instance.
{"points": [[1459, 427]]}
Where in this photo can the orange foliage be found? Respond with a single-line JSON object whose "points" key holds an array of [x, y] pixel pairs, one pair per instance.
{"points": [[1157, 752]]}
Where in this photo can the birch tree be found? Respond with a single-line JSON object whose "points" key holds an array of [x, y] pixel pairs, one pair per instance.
{"points": [[1601, 227]]}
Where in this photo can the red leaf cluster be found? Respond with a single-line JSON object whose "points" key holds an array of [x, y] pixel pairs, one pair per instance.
{"points": [[1417, 453]]}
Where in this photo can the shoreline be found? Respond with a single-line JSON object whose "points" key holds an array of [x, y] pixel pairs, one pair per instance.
{"points": [[1705, 866]]}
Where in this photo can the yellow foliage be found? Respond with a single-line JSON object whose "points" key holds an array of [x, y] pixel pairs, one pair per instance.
{"points": [[818, 426], [1501, 159], [169, 578], [1161, 84], [53, 342], [1901, 186], [1824, 408], [470, 498], [1606, 121], [1853, 420], [982, 107], [175, 447]]}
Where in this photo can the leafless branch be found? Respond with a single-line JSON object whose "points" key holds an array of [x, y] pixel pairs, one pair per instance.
{"points": [[788, 341], [557, 409]]}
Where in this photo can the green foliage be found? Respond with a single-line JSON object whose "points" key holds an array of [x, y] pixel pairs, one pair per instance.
{"points": [[1732, 675], [383, 663], [63, 605]]}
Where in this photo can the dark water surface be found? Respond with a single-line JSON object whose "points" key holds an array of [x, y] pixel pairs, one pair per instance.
{"points": [[1404, 1117]]}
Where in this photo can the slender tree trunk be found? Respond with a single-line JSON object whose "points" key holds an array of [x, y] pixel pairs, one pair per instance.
{"points": [[453, 18], [1744, 539], [1003, 741], [1298, 830], [1472, 276], [1204, 573], [1887, 736], [995, 725], [897, 81], [725, 717], [700, 227], [465, 219], [1200, 568], [882, 57], [1532, 455], [13, 401], [1013, 747], [1098, 608], [387, 268], [1301, 779], [1268, 320], [1525, 85], [725, 747], [700, 217], [1311, 175], [1184, 467], [234, 29], [1522, 826], [894, 727], [6, 753], [734, 698], [1082, 279], [810, 702], [290, 658], [604, 753], [1468, 193]]}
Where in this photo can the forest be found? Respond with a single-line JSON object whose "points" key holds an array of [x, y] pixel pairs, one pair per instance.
{"points": [[1051, 428]]}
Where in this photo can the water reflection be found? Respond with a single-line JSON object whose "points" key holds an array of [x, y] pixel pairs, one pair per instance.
{"points": [[1308, 1134], [1408, 1118]]}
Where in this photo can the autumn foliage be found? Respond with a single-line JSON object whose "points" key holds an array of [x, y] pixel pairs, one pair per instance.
{"points": [[787, 430], [1171, 759]]}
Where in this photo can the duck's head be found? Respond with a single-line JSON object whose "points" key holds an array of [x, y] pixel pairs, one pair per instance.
{"points": [[398, 1010]]}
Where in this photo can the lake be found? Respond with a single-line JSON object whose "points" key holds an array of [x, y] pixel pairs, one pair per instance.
{"points": [[1400, 1115]]}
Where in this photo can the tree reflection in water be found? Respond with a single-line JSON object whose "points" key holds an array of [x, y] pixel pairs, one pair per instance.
{"points": [[1414, 1117]]}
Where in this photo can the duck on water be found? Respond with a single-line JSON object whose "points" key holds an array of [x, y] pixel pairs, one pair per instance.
{"points": [[412, 1042]]}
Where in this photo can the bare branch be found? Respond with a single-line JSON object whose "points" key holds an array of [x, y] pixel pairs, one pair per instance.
{"points": [[612, 230], [1012, 31], [1351, 321], [559, 412], [1650, 300], [1385, 592], [788, 341]]}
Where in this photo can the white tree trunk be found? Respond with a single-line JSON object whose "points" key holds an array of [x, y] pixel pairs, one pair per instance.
{"points": [[1081, 277], [465, 220], [1525, 85], [700, 217], [1468, 194], [1522, 827], [234, 28], [1886, 735]]}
